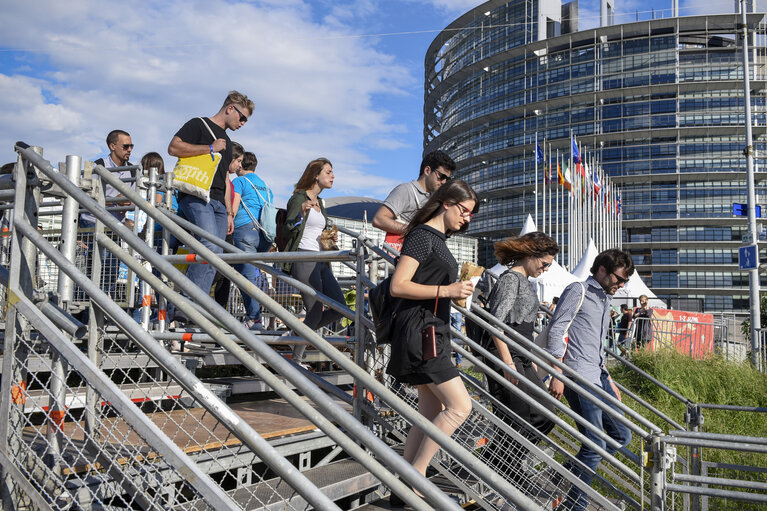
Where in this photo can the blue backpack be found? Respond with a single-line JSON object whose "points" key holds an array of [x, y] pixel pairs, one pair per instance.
{"points": [[267, 219]]}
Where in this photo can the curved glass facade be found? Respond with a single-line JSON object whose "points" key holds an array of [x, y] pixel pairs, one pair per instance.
{"points": [[660, 105]]}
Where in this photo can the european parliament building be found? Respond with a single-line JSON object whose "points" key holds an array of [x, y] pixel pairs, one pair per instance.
{"points": [[658, 102]]}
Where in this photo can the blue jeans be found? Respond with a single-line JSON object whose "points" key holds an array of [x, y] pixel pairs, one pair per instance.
{"points": [[576, 498], [250, 240], [210, 217]]}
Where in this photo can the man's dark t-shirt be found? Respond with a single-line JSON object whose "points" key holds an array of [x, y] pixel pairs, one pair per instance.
{"points": [[624, 323], [193, 132]]}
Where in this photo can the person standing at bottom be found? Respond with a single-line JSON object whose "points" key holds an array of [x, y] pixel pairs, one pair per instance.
{"points": [[425, 280], [584, 354], [305, 220]]}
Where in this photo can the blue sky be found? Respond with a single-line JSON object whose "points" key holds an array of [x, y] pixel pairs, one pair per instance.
{"points": [[336, 78]]}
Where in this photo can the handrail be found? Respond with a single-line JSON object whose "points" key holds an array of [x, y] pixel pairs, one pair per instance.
{"points": [[274, 359], [506, 489], [551, 416], [164, 359], [542, 358]]}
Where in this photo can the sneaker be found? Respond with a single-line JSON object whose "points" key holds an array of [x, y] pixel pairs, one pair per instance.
{"points": [[252, 324]]}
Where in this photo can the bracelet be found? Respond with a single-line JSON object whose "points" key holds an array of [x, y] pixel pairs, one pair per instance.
{"points": [[438, 291], [211, 152]]}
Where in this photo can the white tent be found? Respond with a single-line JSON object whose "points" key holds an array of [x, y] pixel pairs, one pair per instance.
{"points": [[583, 270], [634, 288], [529, 226], [551, 283]]}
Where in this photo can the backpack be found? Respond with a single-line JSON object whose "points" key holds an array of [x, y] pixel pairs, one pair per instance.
{"points": [[280, 241], [267, 219], [383, 308]]}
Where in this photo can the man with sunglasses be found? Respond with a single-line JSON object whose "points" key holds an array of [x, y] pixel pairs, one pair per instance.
{"points": [[576, 334], [399, 207], [120, 146], [215, 216]]}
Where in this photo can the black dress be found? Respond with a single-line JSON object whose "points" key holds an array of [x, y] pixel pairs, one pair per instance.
{"points": [[437, 266]]}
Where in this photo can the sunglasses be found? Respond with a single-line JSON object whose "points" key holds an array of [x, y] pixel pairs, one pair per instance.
{"points": [[621, 280], [243, 119], [127, 146], [464, 210], [442, 177], [545, 265]]}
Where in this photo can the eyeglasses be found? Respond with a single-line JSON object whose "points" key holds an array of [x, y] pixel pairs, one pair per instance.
{"points": [[127, 146], [242, 117], [441, 176], [544, 264], [464, 210], [621, 280]]}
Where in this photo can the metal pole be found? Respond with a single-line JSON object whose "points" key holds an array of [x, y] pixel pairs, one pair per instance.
{"points": [[66, 286], [146, 291], [658, 474], [753, 275], [13, 384]]}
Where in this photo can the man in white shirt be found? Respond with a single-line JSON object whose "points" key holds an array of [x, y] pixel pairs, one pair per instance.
{"points": [[402, 203]]}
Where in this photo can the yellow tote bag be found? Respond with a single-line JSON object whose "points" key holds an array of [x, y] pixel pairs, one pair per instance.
{"points": [[194, 174]]}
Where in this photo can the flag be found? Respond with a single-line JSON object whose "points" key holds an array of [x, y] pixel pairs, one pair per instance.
{"points": [[618, 205], [568, 178], [560, 176], [538, 153], [576, 153], [597, 184], [551, 176]]}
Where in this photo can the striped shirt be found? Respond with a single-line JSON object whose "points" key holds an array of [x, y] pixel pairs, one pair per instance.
{"points": [[585, 352]]}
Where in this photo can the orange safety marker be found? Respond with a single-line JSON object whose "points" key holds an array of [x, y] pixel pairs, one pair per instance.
{"points": [[19, 393], [162, 315], [187, 336], [146, 301], [57, 418]]}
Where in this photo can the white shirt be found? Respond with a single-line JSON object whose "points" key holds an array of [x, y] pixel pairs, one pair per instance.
{"points": [[315, 224]]}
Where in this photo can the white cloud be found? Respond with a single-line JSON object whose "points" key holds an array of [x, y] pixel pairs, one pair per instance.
{"points": [[147, 67]]}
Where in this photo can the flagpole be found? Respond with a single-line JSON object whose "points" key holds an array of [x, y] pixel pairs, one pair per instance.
{"points": [[542, 224], [535, 157], [550, 190], [556, 223]]}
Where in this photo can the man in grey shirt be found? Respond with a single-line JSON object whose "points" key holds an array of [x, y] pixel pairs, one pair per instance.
{"points": [[576, 336], [402, 203]]}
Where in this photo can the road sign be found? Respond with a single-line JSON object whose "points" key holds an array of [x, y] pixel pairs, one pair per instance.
{"points": [[748, 257], [747, 238], [742, 210]]}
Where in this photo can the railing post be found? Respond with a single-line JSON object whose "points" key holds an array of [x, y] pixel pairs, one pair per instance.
{"points": [[658, 473], [146, 301], [95, 314], [360, 336], [694, 419], [13, 385]]}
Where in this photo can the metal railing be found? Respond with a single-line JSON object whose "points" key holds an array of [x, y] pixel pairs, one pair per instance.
{"points": [[106, 415]]}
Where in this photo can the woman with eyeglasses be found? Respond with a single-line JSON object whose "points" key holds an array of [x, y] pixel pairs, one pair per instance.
{"points": [[513, 301], [425, 280]]}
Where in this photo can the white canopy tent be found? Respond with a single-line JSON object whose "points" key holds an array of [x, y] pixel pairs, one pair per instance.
{"points": [[583, 269], [634, 288], [551, 283]]}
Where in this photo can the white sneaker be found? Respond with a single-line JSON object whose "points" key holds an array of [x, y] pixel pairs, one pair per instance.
{"points": [[250, 324]]}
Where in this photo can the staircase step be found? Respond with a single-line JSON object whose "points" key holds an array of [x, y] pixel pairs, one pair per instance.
{"points": [[336, 480]]}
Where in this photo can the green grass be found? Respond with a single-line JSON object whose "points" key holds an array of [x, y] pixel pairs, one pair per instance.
{"points": [[714, 381], [711, 381]]}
